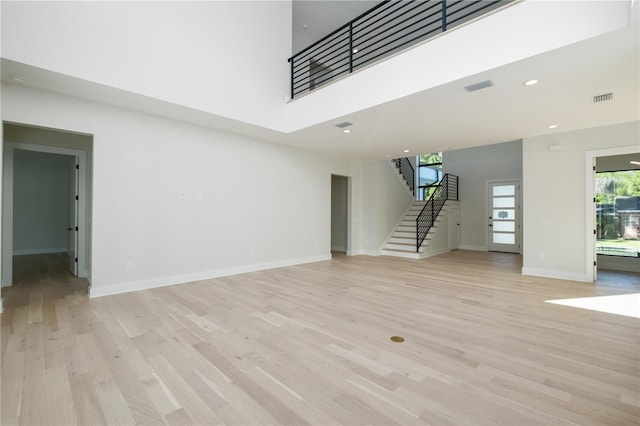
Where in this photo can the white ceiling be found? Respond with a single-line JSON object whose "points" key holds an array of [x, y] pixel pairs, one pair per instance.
{"points": [[449, 117], [445, 117]]}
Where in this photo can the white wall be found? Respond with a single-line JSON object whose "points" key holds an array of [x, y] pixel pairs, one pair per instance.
{"points": [[175, 200], [554, 198], [227, 58], [41, 194], [382, 199], [475, 167]]}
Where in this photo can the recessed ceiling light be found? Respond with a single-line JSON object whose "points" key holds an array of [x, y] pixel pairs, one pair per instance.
{"points": [[405, 151], [355, 50], [17, 78], [637, 163], [531, 82], [552, 126], [347, 131]]}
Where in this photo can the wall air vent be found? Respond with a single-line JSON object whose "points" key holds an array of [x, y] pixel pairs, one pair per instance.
{"points": [[344, 124], [480, 85], [603, 98]]}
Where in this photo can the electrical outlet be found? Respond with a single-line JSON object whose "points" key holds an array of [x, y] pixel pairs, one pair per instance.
{"points": [[129, 266]]}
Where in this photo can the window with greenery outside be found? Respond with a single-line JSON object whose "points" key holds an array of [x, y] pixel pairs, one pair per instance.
{"points": [[618, 213], [429, 173]]}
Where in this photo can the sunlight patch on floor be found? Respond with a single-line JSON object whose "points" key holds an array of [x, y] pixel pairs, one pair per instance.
{"points": [[621, 304]]}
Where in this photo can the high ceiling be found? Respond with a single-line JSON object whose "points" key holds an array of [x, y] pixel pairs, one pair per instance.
{"points": [[444, 117], [448, 117]]}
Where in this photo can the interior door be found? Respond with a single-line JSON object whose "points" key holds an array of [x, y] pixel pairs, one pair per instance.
{"points": [[504, 216], [454, 228], [74, 183]]}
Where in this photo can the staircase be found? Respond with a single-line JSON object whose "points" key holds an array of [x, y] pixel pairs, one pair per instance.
{"points": [[402, 241]]}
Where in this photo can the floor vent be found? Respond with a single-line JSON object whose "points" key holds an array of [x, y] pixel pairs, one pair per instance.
{"points": [[603, 98]]}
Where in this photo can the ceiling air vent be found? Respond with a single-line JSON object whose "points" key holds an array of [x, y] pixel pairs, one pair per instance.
{"points": [[480, 85], [603, 98], [344, 124]]}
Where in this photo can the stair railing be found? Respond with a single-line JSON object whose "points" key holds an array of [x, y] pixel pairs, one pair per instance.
{"points": [[385, 29], [405, 167], [447, 189]]}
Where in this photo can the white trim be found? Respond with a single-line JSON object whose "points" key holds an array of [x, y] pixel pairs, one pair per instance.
{"points": [[127, 287], [364, 252], [560, 275], [7, 204], [429, 253], [474, 248], [590, 219], [403, 254], [1, 306], [39, 251]]}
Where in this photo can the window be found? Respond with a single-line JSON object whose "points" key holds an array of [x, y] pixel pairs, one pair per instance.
{"points": [[429, 173]]}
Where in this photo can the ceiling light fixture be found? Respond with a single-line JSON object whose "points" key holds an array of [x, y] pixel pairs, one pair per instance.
{"points": [[552, 126], [355, 50], [531, 82], [346, 131], [405, 151], [637, 163]]}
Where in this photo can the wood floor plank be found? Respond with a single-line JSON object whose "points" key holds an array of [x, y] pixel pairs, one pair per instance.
{"points": [[310, 344]]}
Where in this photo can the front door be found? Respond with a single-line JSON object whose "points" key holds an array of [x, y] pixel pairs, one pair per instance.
{"points": [[504, 216], [73, 215]]}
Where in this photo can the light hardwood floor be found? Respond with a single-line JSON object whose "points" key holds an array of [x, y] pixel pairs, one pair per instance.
{"points": [[311, 344]]}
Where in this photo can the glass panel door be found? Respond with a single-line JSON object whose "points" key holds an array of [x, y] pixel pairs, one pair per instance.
{"points": [[504, 224]]}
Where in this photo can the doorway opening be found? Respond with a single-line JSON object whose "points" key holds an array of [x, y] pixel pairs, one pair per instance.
{"points": [[612, 218], [46, 205], [340, 198]]}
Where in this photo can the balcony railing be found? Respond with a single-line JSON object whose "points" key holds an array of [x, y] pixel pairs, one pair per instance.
{"points": [[383, 30]]}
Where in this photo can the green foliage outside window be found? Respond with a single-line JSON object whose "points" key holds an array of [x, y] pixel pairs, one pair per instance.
{"points": [[617, 184], [433, 158]]}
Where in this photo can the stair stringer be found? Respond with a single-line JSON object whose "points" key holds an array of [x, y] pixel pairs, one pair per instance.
{"points": [[438, 234], [399, 176]]}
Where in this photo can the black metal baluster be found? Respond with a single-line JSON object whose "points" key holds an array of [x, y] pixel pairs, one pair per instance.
{"points": [[350, 47], [444, 15]]}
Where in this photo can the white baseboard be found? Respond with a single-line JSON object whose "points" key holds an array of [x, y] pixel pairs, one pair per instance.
{"points": [[560, 275], [1, 306], [474, 248], [363, 253], [403, 254], [435, 252], [40, 251], [126, 287]]}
